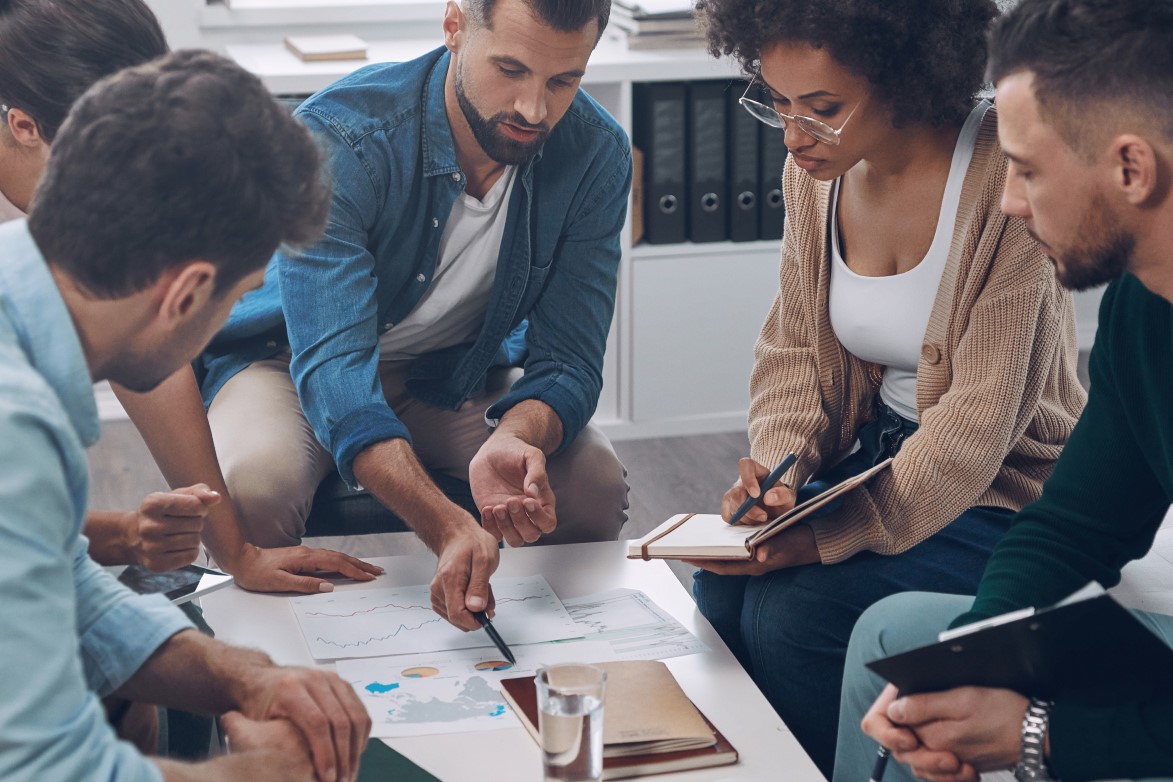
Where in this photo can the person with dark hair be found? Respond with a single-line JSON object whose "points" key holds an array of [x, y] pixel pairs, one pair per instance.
{"points": [[455, 315], [1083, 88], [51, 51], [131, 259], [913, 320]]}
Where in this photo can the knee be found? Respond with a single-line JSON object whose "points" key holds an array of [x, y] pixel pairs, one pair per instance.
{"points": [[590, 486], [898, 623], [271, 505]]}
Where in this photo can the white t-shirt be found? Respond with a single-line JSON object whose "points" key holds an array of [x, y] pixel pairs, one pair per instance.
{"points": [[883, 319], [452, 311]]}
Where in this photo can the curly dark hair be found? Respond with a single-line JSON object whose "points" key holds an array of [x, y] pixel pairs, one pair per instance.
{"points": [[925, 58]]}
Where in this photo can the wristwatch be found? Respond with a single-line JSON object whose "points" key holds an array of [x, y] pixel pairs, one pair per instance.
{"points": [[1032, 765]]}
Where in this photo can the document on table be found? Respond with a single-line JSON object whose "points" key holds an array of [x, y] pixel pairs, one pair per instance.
{"points": [[400, 620], [634, 626], [451, 692]]}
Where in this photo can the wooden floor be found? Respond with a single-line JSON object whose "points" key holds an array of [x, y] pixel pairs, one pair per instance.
{"points": [[667, 476]]}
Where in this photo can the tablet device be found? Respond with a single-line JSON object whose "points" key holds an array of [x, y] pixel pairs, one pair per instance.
{"points": [[180, 585]]}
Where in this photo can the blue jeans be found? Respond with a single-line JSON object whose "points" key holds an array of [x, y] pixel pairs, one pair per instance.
{"points": [[790, 628], [896, 625]]}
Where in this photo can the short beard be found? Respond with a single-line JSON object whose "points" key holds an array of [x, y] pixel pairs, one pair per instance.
{"points": [[1102, 253], [500, 148]]}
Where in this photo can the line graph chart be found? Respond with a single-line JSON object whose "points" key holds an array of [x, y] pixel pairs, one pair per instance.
{"points": [[399, 620]]}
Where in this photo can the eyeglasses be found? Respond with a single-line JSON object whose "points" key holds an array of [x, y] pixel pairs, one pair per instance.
{"points": [[816, 129]]}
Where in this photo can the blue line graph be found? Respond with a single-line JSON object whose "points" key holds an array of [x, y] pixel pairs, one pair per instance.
{"points": [[399, 620], [365, 641]]}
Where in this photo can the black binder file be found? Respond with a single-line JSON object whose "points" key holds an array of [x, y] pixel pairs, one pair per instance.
{"points": [[660, 131], [742, 174], [707, 202], [773, 161]]}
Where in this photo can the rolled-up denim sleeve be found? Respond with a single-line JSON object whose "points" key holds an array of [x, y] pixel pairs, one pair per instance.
{"points": [[331, 313], [567, 334], [51, 721]]}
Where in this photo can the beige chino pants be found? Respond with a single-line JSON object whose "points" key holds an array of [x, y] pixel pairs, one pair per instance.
{"points": [[273, 464]]}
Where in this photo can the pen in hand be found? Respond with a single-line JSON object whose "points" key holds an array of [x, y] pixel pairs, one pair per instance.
{"points": [[499, 642], [764, 486], [881, 765]]}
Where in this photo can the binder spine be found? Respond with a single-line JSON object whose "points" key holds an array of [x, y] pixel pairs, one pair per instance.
{"points": [[743, 175], [707, 202], [773, 210], [660, 131]]}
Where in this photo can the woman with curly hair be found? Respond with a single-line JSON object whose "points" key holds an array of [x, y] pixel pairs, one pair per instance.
{"points": [[913, 320]]}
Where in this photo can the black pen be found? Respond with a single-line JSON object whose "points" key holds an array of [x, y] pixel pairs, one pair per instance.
{"points": [[483, 618], [774, 476], [881, 765]]}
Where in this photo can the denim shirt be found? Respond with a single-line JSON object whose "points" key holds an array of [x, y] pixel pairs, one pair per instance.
{"points": [[392, 163], [71, 633]]}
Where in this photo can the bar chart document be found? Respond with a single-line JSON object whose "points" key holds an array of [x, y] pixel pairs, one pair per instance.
{"points": [[400, 620]]}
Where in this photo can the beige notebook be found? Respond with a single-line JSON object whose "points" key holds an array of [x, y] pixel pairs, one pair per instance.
{"points": [[649, 724], [310, 48], [708, 536]]}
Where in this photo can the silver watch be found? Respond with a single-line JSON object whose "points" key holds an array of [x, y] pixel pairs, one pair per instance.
{"points": [[1032, 765]]}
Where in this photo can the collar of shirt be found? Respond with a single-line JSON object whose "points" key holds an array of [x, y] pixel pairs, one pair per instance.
{"points": [[44, 327]]}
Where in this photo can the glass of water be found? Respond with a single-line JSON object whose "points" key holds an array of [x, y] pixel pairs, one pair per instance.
{"points": [[570, 721]]}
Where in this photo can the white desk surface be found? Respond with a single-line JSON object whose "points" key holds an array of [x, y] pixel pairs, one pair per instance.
{"points": [[714, 680]]}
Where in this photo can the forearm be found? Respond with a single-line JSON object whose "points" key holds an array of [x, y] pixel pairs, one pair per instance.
{"points": [[391, 472], [175, 428], [534, 423], [195, 673], [106, 531]]}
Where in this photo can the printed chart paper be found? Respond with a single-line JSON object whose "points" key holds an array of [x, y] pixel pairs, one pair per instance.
{"points": [[633, 624], [451, 692], [400, 620]]}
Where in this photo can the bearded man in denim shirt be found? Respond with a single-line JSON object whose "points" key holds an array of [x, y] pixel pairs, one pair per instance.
{"points": [[455, 316]]}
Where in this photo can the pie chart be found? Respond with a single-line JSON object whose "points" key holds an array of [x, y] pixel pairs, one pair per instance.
{"points": [[420, 672]]}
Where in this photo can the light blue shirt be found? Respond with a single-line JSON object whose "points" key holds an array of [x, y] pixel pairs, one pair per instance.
{"points": [[69, 633]]}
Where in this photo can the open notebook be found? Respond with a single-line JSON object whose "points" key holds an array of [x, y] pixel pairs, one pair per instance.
{"points": [[707, 536]]}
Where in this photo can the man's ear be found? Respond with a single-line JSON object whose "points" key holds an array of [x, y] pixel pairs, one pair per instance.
{"points": [[455, 26], [24, 129], [1135, 168], [185, 292]]}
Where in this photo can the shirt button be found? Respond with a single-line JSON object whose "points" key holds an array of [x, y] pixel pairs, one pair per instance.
{"points": [[930, 353], [435, 222], [420, 278], [455, 177], [387, 326], [271, 343]]}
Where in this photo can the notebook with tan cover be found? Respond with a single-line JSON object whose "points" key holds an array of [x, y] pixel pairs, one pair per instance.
{"points": [[649, 724], [707, 536]]}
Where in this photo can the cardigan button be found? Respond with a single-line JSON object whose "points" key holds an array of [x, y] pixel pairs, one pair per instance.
{"points": [[930, 353]]}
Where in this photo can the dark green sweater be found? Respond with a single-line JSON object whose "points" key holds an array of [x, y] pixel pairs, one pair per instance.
{"points": [[1100, 509]]}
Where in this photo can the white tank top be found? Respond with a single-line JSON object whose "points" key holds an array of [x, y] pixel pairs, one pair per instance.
{"points": [[883, 319]]}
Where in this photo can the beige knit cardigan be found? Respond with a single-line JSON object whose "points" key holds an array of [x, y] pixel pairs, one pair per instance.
{"points": [[997, 390]]}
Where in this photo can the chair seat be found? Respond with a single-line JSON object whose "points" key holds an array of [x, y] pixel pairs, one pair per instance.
{"points": [[340, 510]]}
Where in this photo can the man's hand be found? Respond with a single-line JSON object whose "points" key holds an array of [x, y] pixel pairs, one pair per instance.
{"points": [[776, 501], [950, 736], [284, 569], [511, 488], [461, 584], [164, 533], [789, 548], [321, 706]]}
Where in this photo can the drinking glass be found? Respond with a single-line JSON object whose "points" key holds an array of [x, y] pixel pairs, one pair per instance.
{"points": [[570, 721]]}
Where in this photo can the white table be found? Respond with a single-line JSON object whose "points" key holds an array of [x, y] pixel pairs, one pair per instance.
{"points": [[714, 680]]}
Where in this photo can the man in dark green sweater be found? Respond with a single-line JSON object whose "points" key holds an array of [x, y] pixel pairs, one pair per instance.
{"points": [[1085, 101]]}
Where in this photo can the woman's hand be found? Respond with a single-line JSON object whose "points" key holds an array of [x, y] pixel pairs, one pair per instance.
{"points": [[776, 501], [789, 548]]}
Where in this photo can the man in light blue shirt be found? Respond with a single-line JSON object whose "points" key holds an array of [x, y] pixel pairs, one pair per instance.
{"points": [[133, 256]]}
